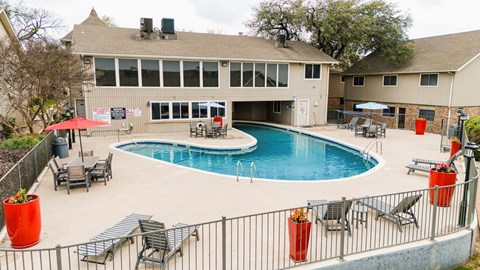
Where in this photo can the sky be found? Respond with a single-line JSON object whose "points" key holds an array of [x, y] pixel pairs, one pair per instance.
{"points": [[430, 17]]}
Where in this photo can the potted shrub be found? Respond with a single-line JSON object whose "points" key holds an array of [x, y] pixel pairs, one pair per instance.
{"points": [[22, 218], [299, 234], [472, 127], [442, 175], [455, 145], [420, 126]]}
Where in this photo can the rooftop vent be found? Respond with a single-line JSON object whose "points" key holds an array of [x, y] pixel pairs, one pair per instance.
{"points": [[281, 40], [168, 26]]}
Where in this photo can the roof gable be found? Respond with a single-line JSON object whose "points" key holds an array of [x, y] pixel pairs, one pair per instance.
{"points": [[431, 54], [7, 25]]}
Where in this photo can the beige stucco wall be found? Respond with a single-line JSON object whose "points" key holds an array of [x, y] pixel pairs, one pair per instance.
{"points": [[336, 88], [408, 90], [316, 91]]}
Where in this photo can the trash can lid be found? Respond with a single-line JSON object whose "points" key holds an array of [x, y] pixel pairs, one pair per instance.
{"points": [[60, 140]]}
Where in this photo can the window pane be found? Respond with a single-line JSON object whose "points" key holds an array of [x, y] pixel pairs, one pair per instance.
{"points": [[393, 80], [316, 71], [105, 72], [195, 110], [433, 79], [155, 111], [308, 71], [259, 75], [214, 111], [272, 75], [235, 78], [165, 110], [191, 74], [128, 70], [429, 115], [150, 73], [282, 75], [424, 79], [180, 110], [247, 74], [386, 80], [210, 74], [171, 73], [358, 80]]}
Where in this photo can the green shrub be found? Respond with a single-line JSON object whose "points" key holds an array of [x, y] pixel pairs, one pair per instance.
{"points": [[23, 142], [472, 127]]}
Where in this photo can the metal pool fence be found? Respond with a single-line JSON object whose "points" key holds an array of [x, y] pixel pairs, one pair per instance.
{"points": [[261, 241]]}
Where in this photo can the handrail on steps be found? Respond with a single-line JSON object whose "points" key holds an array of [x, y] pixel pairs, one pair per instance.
{"points": [[368, 148]]}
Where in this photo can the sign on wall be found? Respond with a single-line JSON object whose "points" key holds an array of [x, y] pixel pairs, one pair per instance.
{"points": [[102, 114], [118, 113]]}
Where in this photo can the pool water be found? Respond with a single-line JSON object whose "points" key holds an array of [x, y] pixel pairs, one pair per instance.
{"points": [[279, 155]]}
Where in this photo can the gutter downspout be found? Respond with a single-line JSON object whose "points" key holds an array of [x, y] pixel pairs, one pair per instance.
{"points": [[327, 89], [450, 98]]}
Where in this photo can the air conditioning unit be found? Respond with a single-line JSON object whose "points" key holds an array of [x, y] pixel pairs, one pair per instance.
{"points": [[146, 25], [168, 26]]}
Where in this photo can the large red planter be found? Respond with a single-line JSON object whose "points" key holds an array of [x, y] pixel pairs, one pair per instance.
{"points": [[23, 222], [420, 126], [454, 148], [299, 236], [441, 179], [219, 120]]}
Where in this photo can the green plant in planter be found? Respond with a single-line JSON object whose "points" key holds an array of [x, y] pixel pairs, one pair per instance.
{"points": [[22, 142], [472, 127]]}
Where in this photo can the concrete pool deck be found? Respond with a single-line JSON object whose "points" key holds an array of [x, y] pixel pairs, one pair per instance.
{"points": [[175, 194]]}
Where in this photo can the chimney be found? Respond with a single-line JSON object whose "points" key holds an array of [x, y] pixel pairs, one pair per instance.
{"points": [[281, 41]]}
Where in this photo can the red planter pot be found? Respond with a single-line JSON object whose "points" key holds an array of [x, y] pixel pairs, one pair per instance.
{"points": [[23, 222], [219, 120], [444, 194], [420, 126], [454, 148], [299, 236]]}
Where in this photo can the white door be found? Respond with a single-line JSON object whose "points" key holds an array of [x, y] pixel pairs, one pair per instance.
{"points": [[303, 112]]}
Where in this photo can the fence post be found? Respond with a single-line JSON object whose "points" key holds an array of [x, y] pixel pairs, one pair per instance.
{"points": [[224, 243], [472, 196], [58, 251], [19, 173], [434, 213], [342, 233]]}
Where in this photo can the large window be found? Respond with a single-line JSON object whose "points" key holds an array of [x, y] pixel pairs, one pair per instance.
{"points": [[150, 73], [191, 74], [390, 80], [160, 110], [180, 110], [428, 79], [312, 71], [389, 112], [282, 75], [171, 73], [428, 114], [259, 75], [215, 111], [271, 75], [105, 72], [199, 111], [276, 107], [210, 74], [235, 74], [128, 70], [247, 80]]}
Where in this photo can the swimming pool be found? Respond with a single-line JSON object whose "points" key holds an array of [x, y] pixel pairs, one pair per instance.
{"points": [[279, 154]]}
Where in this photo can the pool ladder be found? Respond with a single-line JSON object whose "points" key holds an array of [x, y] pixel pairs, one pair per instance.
{"points": [[252, 166], [370, 145]]}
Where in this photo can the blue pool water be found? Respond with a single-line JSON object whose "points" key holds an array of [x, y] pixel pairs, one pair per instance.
{"points": [[279, 155]]}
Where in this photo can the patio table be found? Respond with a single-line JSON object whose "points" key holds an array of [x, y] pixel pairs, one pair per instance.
{"points": [[88, 162]]}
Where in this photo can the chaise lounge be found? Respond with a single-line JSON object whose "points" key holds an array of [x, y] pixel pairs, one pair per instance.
{"points": [[424, 165], [332, 211]]}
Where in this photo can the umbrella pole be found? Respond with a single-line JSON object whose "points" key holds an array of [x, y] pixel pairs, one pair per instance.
{"points": [[81, 148]]}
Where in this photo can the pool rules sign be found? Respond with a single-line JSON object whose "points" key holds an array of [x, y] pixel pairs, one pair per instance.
{"points": [[118, 113]]}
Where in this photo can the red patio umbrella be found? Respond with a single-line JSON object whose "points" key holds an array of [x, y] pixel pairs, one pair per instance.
{"points": [[77, 123]]}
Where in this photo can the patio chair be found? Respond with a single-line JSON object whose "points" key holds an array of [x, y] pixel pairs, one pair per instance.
{"points": [[223, 131], [428, 163], [332, 211], [193, 130], [106, 164], [350, 125], [99, 173], [401, 214], [359, 131], [62, 167], [59, 177], [120, 233], [156, 239], [367, 122], [77, 176], [372, 131], [382, 130], [210, 132]]}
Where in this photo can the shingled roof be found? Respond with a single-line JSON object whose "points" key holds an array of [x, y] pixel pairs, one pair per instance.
{"points": [[92, 38], [432, 54]]}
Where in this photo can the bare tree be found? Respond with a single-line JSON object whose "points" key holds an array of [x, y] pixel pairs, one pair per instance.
{"points": [[30, 23], [36, 79]]}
